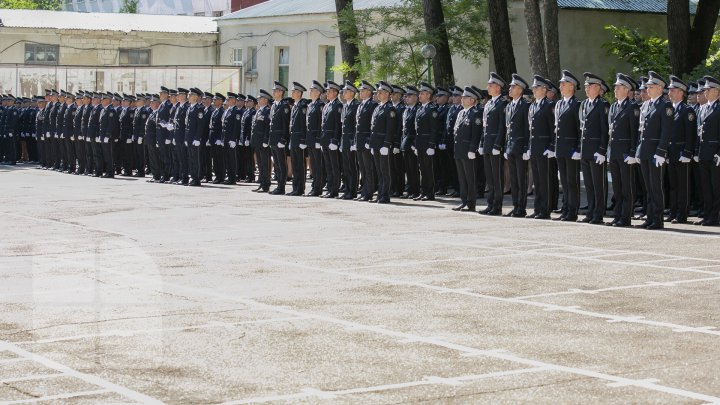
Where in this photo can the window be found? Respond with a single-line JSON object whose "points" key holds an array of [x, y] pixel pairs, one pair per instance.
{"points": [[200, 14], [329, 63], [42, 54], [252, 60], [237, 56], [134, 56], [283, 65], [217, 14]]}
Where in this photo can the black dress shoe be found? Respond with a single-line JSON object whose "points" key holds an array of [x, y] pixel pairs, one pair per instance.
{"points": [[569, 218], [596, 221], [644, 224], [217, 181], [485, 211], [459, 207], [655, 225], [621, 224], [229, 182], [384, 201], [710, 223], [469, 208], [613, 222], [257, 190], [456, 194], [396, 194], [494, 213], [669, 218], [586, 219], [194, 183], [405, 196], [418, 197], [519, 214], [509, 214], [348, 197], [557, 211], [292, 194], [679, 221], [428, 198], [532, 216], [542, 216]]}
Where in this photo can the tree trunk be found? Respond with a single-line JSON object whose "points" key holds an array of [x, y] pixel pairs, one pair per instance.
{"points": [[552, 39], [536, 45], [702, 31], [348, 37], [678, 26], [435, 24], [501, 40]]}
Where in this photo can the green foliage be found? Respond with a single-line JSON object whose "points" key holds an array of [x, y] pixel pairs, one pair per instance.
{"points": [[711, 65], [32, 4], [389, 39], [129, 6], [643, 53]]}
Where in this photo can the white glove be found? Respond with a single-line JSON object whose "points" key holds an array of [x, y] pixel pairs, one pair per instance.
{"points": [[576, 156], [367, 146], [47, 134], [659, 160], [384, 151], [471, 155], [264, 145], [219, 143], [56, 136], [42, 137], [717, 160], [683, 159], [97, 139], [599, 159], [629, 160], [430, 151], [505, 155], [196, 143], [332, 146], [302, 146], [281, 145], [185, 143], [129, 140], [170, 127], [495, 152], [247, 143], [10, 134], [72, 138], [526, 156], [140, 140], [396, 151], [106, 140], [232, 144], [414, 149], [442, 146], [633, 161], [696, 159], [173, 142], [207, 143], [81, 138], [481, 150], [353, 148], [318, 146], [550, 154], [372, 151]]}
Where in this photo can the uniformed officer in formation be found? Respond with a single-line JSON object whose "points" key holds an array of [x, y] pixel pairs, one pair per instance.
{"points": [[662, 140]]}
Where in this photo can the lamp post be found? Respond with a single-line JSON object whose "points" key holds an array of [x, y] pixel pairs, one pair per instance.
{"points": [[428, 52]]}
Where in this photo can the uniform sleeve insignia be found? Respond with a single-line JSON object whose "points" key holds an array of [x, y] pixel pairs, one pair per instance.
{"points": [[478, 121], [434, 114], [637, 112], [669, 111], [392, 114], [691, 117]]}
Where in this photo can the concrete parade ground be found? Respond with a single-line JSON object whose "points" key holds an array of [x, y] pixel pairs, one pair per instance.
{"points": [[118, 291]]}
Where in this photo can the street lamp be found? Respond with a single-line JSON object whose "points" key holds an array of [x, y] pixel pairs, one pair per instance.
{"points": [[428, 52]]}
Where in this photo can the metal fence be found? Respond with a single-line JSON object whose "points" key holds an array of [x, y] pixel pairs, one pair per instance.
{"points": [[32, 80]]}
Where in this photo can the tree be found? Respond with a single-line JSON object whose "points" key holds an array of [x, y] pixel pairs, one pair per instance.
{"points": [[389, 39], [32, 4], [689, 45], [643, 53], [500, 37], [347, 28], [536, 44], [552, 38], [442, 62], [129, 6]]}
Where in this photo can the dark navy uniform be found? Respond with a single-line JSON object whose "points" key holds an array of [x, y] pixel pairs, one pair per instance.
{"points": [[70, 136], [707, 153], [330, 135], [259, 139], [314, 131], [516, 143], [565, 144], [180, 155], [493, 133], [541, 128], [681, 146], [347, 149], [139, 142], [467, 135], [193, 135], [407, 147], [231, 128], [278, 141], [80, 139], [125, 143], [150, 139], [216, 143], [362, 140], [247, 160], [384, 121], [298, 139], [623, 120], [108, 124], [427, 129], [164, 139], [593, 147]]}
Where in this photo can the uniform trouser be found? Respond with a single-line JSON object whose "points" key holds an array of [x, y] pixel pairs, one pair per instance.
{"points": [[98, 157], [153, 154], [81, 155], [41, 152], [232, 163], [427, 173], [107, 156], [316, 165], [466, 181], [540, 166], [262, 156], [181, 155], [10, 149], [218, 161], [297, 160], [369, 173], [47, 152], [205, 161], [679, 191], [622, 182], [494, 178], [280, 166], [89, 156], [518, 181], [32, 148], [194, 165], [126, 155], [449, 174], [70, 155], [54, 153], [397, 173], [594, 187], [696, 196], [246, 163], [350, 172], [710, 176], [412, 173], [570, 180], [165, 154], [554, 182], [331, 162], [653, 180], [382, 164], [139, 158], [118, 154]]}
